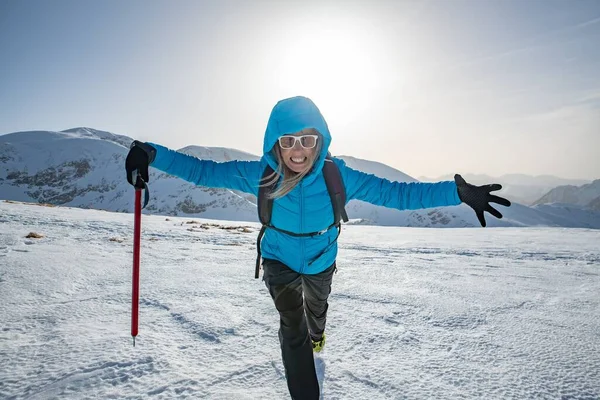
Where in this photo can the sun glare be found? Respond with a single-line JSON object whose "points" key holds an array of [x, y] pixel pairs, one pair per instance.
{"points": [[337, 68]]}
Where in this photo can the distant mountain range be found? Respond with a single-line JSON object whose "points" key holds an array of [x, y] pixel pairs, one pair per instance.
{"points": [[519, 188], [84, 167], [585, 195]]}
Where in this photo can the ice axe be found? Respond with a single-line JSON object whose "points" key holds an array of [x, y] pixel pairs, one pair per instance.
{"points": [[137, 228]]}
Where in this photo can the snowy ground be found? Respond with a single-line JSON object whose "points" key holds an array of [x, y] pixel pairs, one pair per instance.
{"points": [[415, 313]]}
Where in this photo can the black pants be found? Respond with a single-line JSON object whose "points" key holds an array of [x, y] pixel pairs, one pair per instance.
{"points": [[300, 317]]}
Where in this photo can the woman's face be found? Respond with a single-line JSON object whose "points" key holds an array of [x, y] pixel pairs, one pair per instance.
{"points": [[301, 155]]}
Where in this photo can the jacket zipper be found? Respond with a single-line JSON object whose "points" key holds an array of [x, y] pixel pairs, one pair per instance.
{"points": [[302, 226]]}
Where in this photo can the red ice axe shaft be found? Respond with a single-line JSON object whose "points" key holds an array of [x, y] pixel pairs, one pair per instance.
{"points": [[135, 299]]}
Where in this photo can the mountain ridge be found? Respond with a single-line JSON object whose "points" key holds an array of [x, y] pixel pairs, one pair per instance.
{"points": [[587, 195], [521, 188], [83, 167]]}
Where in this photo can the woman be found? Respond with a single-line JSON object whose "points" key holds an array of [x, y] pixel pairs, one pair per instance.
{"points": [[298, 268]]}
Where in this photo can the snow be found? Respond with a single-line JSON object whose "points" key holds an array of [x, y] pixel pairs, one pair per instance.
{"points": [[414, 313]]}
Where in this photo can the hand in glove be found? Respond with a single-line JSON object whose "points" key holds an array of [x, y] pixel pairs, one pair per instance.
{"points": [[139, 158], [479, 198]]}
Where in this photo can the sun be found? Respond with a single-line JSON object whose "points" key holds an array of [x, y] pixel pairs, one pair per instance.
{"points": [[336, 67]]}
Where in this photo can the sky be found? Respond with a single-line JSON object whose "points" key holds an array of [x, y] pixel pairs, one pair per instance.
{"points": [[427, 87]]}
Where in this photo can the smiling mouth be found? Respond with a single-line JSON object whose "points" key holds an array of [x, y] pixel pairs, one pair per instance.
{"points": [[298, 160]]}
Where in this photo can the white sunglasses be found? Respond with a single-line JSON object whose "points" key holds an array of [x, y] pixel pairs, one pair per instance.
{"points": [[306, 141]]}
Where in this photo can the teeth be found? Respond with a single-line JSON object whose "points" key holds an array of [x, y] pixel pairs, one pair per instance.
{"points": [[298, 160]]}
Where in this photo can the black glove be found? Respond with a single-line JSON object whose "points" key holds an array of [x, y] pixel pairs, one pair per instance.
{"points": [[139, 158], [479, 198]]}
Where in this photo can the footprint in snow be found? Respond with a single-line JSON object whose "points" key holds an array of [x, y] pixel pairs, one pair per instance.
{"points": [[320, 368]]}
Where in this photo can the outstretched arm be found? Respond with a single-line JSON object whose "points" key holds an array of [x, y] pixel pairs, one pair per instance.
{"points": [[236, 175], [399, 195], [415, 195]]}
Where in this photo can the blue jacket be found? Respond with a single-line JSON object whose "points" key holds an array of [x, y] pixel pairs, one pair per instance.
{"points": [[307, 208]]}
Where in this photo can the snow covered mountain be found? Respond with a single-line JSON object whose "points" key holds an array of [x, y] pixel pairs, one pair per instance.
{"points": [[519, 188], [595, 204], [585, 195], [217, 153], [83, 167], [376, 168]]}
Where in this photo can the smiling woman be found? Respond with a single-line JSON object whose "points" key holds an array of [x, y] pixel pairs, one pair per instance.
{"points": [[339, 67]]}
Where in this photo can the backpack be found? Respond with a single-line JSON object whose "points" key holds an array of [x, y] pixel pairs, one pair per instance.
{"points": [[337, 194]]}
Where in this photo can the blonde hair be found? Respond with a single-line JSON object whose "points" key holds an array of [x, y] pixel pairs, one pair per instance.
{"points": [[290, 178]]}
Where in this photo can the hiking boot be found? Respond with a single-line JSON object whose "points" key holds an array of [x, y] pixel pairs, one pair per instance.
{"points": [[318, 344]]}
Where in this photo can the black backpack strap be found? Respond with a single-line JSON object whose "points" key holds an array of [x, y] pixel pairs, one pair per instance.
{"points": [[265, 208], [258, 257], [337, 192], [265, 204]]}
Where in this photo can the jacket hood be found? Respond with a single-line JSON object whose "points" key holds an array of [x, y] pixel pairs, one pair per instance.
{"points": [[291, 116]]}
